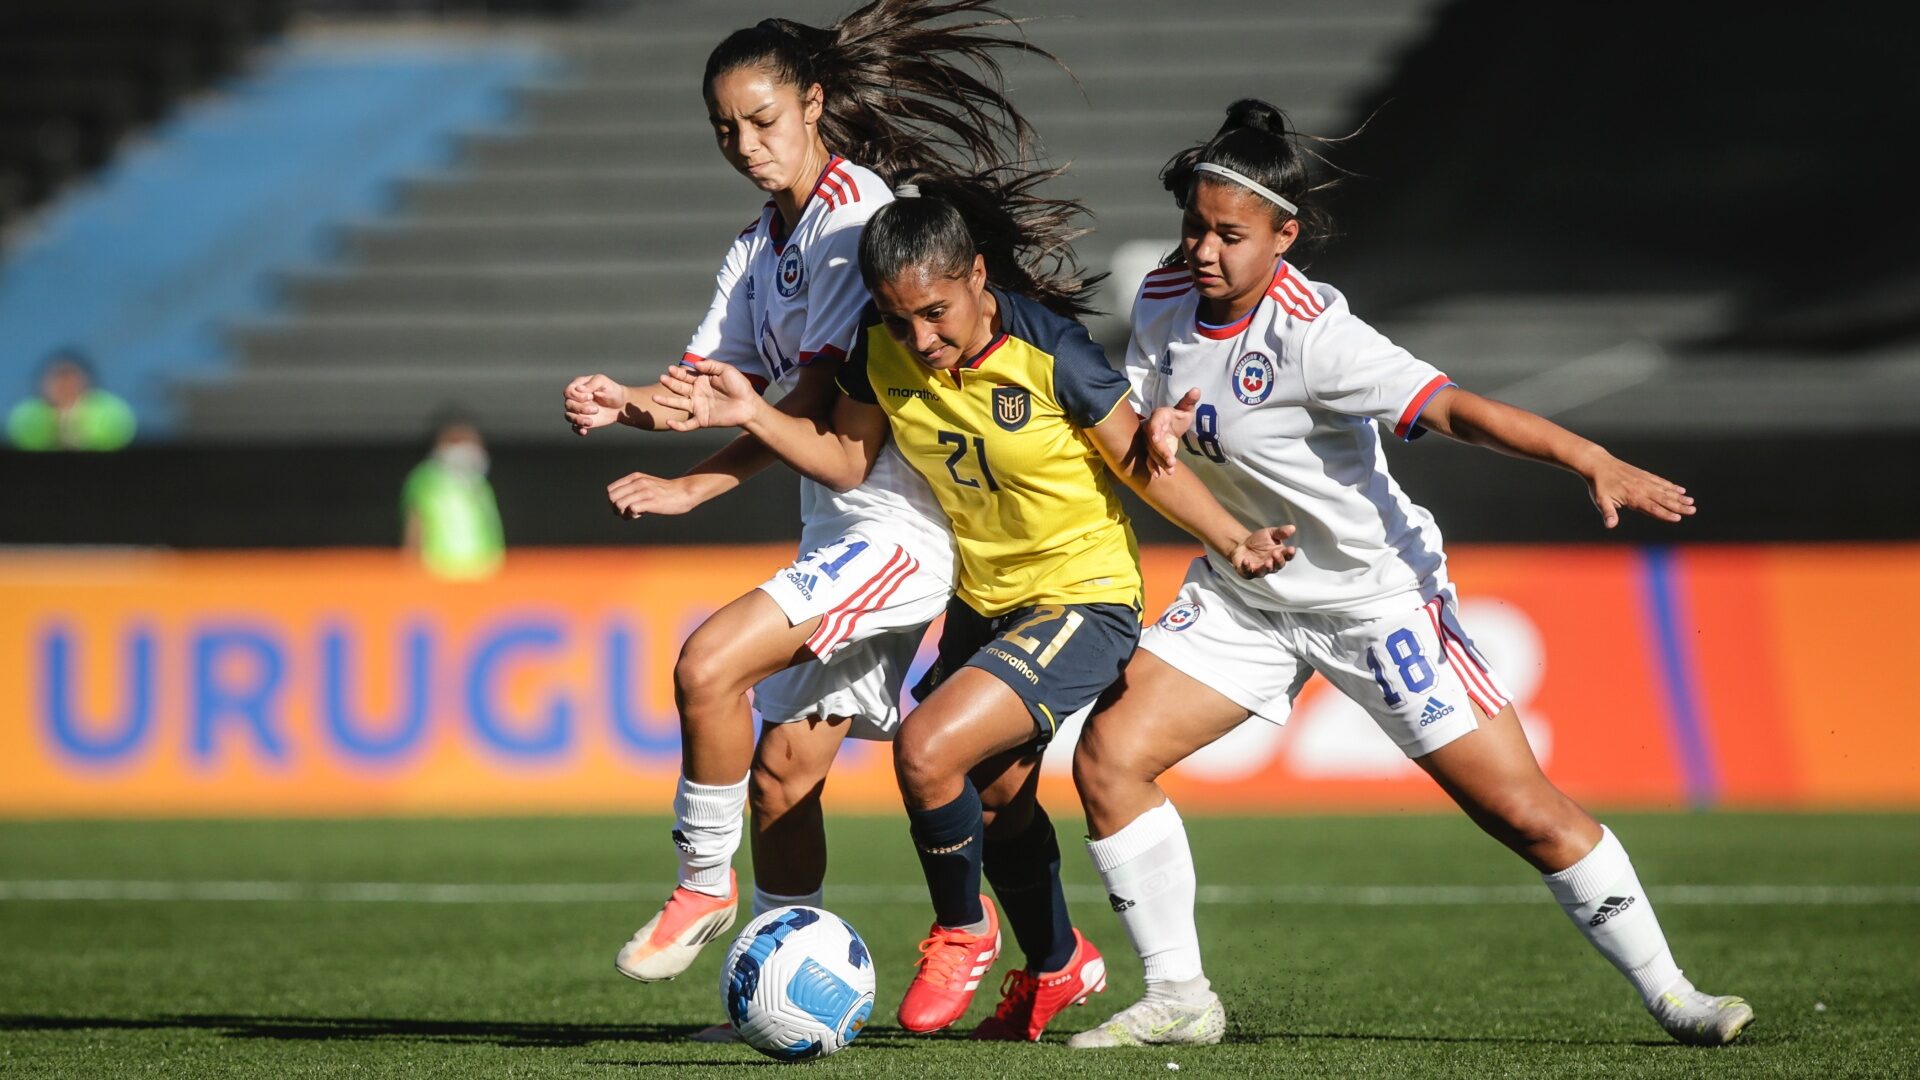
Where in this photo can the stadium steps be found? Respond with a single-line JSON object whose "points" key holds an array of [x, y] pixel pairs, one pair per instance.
{"points": [[584, 236]]}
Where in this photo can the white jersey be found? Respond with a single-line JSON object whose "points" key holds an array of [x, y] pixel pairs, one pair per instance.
{"points": [[1284, 435], [783, 302]]}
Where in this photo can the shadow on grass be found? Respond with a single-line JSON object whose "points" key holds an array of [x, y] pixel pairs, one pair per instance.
{"points": [[556, 1034], [329, 1028]]}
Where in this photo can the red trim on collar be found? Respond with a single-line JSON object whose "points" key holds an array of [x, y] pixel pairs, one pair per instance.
{"points": [[992, 347], [776, 228]]}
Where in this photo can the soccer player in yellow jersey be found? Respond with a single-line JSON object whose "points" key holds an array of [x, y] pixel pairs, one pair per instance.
{"points": [[990, 390]]}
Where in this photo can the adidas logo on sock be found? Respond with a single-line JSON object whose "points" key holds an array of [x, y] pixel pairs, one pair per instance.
{"points": [[680, 841], [1610, 907], [1119, 903], [1435, 710]]}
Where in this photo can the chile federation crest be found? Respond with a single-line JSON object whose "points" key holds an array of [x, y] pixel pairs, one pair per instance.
{"points": [[1253, 378], [791, 272]]}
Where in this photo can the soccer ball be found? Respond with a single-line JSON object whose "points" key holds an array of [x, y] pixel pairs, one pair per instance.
{"points": [[797, 984]]}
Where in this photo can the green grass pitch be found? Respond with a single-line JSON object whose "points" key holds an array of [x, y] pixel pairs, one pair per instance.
{"points": [[287, 970]]}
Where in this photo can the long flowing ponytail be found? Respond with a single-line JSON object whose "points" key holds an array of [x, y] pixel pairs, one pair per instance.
{"points": [[940, 221], [902, 94]]}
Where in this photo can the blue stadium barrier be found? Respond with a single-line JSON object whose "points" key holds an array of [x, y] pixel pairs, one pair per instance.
{"points": [[141, 265]]}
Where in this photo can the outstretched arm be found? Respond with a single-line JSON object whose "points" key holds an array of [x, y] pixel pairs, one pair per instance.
{"points": [[638, 494], [597, 401], [1181, 498], [1613, 484], [838, 453]]}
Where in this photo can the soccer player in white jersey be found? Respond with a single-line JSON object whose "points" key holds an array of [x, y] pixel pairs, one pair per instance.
{"points": [[825, 643], [1269, 387]]}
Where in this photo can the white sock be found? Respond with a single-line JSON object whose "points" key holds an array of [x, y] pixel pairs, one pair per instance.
{"points": [[764, 902], [708, 821], [1603, 897], [1147, 868]]}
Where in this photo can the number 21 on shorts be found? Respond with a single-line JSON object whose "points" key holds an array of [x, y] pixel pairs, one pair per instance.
{"points": [[1045, 613]]}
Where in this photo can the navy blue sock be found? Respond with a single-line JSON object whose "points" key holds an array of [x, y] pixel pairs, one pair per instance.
{"points": [[1025, 872], [948, 839]]}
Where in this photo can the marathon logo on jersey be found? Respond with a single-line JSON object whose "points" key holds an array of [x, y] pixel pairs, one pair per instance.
{"points": [[805, 583], [1435, 710], [910, 393], [1253, 378], [1010, 407], [791, 273], [1610, 908], [1181, 615]]}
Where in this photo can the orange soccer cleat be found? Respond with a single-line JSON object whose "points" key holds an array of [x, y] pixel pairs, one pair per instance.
{"points": [[667, 945], [951, 965], [1028, 1002]]}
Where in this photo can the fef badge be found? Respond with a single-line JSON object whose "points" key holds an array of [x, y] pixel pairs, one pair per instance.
{"points": [[1010, 407]]}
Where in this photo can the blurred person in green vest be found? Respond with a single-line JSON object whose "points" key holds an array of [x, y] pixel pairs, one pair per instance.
{"points": [[70, 412], [452, 521]]}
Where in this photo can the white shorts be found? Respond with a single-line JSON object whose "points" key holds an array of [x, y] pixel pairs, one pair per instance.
{"points": [[874, 599], [1414, 673]]}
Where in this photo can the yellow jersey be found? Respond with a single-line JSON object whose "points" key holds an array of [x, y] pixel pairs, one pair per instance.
{"points": [[1001, 439]]}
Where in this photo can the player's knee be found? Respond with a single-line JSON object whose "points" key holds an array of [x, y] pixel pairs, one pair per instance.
{"points": [[1102, 759], [920, 762], [777, 786], [702, 673]]}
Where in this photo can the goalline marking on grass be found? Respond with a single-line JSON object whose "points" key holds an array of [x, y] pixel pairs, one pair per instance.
{"points": [[396, 892]]}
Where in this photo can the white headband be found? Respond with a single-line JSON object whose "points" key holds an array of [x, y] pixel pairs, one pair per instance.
{"points": [[1248, 183]]}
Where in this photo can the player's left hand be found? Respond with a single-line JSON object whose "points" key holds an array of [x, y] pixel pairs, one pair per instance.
{"points": [[639, 494], [711, 393], [1615, 485], [1164, 430], [1264, 551]]}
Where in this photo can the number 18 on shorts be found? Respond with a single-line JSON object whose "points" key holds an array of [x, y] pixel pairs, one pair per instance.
{"points": [[1417, 674]]}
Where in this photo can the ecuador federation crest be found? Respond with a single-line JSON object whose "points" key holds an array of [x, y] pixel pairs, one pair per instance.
{"points": [[1011, 404], [1253, 378]]}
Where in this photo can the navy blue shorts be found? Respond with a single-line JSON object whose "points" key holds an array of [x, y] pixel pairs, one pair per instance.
{"points": [[1057, 657]]}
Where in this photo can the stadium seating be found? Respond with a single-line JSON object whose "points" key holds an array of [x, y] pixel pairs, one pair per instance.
{"points": [[77, 75], [584, 237]]}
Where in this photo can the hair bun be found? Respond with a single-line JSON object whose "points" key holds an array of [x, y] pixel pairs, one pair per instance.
{"points": [[1256, 114]]}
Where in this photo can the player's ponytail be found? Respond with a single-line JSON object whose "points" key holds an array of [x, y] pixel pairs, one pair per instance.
{"points": [[940, 222], [901, 94], [1257, 142]]}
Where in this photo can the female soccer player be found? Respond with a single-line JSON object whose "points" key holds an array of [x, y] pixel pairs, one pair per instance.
{"points": [[1286, 384], [828, 639], [999, 398]]}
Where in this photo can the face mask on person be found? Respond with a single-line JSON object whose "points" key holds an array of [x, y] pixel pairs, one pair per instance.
{"points": [[463, 457]]}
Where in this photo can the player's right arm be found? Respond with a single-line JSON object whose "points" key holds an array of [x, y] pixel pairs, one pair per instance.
{"points": [[725, 333], [838, 452], [597, 401], [638, 494]]}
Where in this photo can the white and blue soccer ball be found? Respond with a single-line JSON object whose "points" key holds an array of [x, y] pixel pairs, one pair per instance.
{"points": [[797, 984]]}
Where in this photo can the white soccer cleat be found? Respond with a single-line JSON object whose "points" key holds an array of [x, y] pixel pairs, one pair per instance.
{"points": [[1699, 1019], [668, 944], [1159, 1023]]}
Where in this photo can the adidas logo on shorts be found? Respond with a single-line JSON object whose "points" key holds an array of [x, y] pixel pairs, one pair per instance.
{"points": [[1610, 907], [803, 582], [1435, 710]]}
